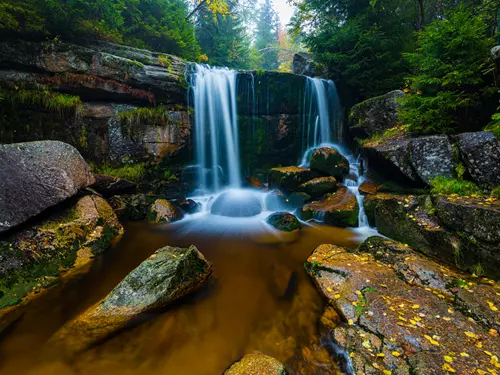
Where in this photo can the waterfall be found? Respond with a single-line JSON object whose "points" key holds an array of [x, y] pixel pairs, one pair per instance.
{"points": [[216, 128]]}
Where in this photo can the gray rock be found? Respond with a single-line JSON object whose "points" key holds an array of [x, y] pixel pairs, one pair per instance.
{"points": [[431, 157], [495, 52], [284, 221], [480, 152], [110, 185], [304, 64], [167, 275], [37, 175], [330, 162], [375, 115], [257, 364], [162, 211]]}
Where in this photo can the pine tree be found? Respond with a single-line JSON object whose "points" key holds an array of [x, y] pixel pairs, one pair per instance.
{"points": [[266, 41]]}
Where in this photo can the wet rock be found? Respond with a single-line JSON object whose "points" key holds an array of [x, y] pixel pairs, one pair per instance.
{"points": [[68, 237], [368, 187], [329, 161], [162, 211], [255, 183], [480, 152], [166, 276], [275, 201], [304, 64], [37, 175], [392, 325], [108, 186], [375, 115], [432, 156], [296, 200], [237, 204], [288, 179], [189, 206], [132, 207], [318, 187], [284, 221], [339, 209], [257, 364]]}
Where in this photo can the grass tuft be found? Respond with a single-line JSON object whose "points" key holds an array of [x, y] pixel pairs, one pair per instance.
{"points": [[152, 116], [448, 186], [50, 101], [130, 172]]}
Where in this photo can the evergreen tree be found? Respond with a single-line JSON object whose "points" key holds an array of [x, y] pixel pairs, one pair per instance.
{"points": [[266, 41]]}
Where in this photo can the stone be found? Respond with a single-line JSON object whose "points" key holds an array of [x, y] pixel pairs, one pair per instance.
{"points": [[431, 157], [68, 237], [375, 115], [108, 186], [320, 186], [255, 183], [368, 187], [330, 162], [284, 221], [495, 52], [392, 323], [339, 209], [275, 201], [480, 152], [288, 179], [162, 211], [37, 175], [257, 364], [189, 206], [304, 64], [132, 207], [296, 200], [237, 203], [166, 276]]}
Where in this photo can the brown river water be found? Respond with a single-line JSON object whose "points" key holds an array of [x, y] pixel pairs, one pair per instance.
{"points": [[260, 299]]}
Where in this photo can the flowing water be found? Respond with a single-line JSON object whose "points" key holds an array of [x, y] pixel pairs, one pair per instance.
{"points": [[259, 299]]}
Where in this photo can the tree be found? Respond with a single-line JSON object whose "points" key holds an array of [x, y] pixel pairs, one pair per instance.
{"points": [[266, 41]]}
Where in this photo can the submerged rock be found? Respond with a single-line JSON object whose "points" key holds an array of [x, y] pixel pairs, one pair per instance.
{"points": [[480, 152], [237, 203], [132, 207], [33, 258], [375, 115], [329, 161], [108, 186], [37, 175], [189, 206], [284, 221], [318, 187], [167, 275], [162, 211], [397, 315], [257, 364], [339, 209], [288, 179]]}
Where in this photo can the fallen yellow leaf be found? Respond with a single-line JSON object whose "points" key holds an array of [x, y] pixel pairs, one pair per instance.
{"points": [[396, 354], [448, 368], [448, 359]]}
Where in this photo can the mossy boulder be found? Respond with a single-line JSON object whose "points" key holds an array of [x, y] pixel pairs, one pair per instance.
{"points": [[288, 179], [108, 186], [37, 175], [34, 257], [329, 162], [132, 207], [320, 186], [163, 211], [166, 276], [396, 314], [339, 209], [284, 222], [257, 364]]}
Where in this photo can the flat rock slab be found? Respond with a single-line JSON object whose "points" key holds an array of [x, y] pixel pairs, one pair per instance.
{"points": [[257, 364], [167, 275], [320, 186], [392, 324], [37, 175], [288, 179]]}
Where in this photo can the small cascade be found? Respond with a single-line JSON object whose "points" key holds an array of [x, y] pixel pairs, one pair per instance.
{"points": [[216, 128], [352, 182]]}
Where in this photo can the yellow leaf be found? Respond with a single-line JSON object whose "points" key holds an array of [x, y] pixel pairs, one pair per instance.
{"points": [[329, 290], [448, 359], [381, 355], [396, 354], [350, 322], [471, 335], [481, 372], [464, 354], [337, 296], [492, 306], [387, 372], [415, 307], [448, 368], [431, 340]]}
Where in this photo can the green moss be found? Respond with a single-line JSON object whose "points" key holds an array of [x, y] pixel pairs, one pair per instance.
{"points": [[166, 63], [130, 172], [60, 104], [460, 171], [495, 193], [157, 116], [396, 132], [447, 186]]}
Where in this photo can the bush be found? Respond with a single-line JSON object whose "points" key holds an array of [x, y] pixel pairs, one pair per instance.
{"points": [[447, 186], [130, 172], [495, 193]]}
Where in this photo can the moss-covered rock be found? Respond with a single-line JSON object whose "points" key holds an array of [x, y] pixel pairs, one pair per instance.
{"points": [[132, 207], [288, 179], [284, 221], [330, 162], [108, 186], [167, 275], [162, 211], [320, 186], [339, 209], [34, 258], [257, 364]]}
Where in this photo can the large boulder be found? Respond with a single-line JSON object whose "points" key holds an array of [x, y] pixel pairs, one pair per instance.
{"points": [[375, 115], [288, 179], [167, 275], [284, 221], [163, 211], [431, 157], [328, 161], [320, 186], [480, 152], [37, 175], [237, 203], [33, 258], [257, 364], [396, 315], [339, 209]]}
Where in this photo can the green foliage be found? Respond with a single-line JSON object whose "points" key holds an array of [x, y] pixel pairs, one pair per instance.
{"points": [[392, 133], [447, 91], [130, 172], [447, 186], [170, 177], [266, 42], [495, 193], [46, 100], [494, 125], [152, 116], [460, 171]]}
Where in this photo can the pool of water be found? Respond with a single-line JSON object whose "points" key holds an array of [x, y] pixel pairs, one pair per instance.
{"points": [[259, 299]]}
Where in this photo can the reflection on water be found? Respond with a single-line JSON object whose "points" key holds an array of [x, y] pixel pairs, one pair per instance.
{"points": [[260, 299]]}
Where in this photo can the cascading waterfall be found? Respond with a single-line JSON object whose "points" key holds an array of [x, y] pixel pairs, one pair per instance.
{"points": [[216, 128]]}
